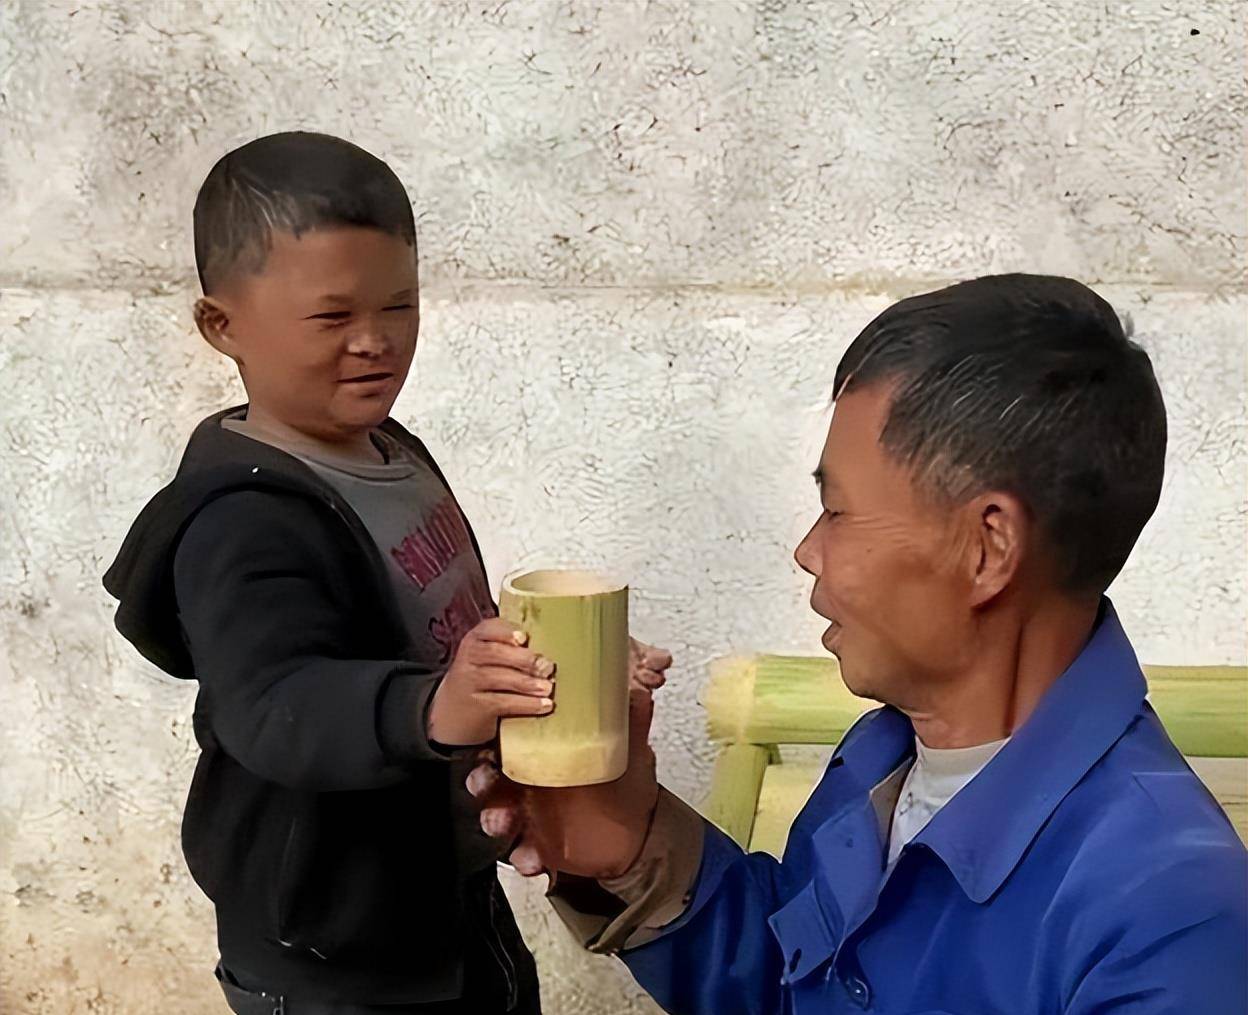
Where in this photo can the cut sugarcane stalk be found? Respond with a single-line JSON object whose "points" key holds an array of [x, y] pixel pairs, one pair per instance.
{"points": [[579, 621]]}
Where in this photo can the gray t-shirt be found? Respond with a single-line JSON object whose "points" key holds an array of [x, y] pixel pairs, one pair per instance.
{"points": [[421, 535]]}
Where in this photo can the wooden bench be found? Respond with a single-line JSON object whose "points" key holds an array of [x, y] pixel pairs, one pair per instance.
{"points": [[778, 719]]}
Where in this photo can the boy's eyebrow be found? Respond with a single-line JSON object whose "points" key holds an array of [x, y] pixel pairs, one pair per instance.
{"points": [[342, 301]]}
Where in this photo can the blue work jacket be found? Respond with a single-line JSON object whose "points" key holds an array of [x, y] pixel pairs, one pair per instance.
{"points": [[1086, 871]]}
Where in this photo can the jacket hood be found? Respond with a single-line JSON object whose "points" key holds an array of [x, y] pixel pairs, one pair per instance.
{"points": [[217, 461]]}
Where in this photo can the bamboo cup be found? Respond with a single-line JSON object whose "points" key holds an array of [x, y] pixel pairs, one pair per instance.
{"points": [[579, 621]]}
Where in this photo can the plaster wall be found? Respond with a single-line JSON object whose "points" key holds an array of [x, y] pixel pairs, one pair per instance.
{"points": [[648, 231]]}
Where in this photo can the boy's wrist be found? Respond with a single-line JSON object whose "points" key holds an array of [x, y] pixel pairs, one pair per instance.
{"points": [[403, 719]]}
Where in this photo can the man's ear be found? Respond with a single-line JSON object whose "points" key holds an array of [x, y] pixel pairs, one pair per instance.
{"points": [[213, 320], [1004, 529]]}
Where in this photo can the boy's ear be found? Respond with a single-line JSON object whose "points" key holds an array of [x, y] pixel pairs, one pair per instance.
{"points": [[213, 320]]}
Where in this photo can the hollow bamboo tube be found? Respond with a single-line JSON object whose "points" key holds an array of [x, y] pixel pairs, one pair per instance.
{"points": [[579, 621]]}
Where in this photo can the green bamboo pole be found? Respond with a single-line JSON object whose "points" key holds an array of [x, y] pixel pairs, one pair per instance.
{"points": [[1204, 708], [768, 699], [735, 784], [786, 788]]}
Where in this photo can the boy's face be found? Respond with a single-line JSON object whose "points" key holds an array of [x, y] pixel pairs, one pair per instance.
{"points": [[324, 334]]}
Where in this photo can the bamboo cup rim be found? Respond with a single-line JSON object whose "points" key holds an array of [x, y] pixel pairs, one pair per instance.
{"points": [[556, 582]]}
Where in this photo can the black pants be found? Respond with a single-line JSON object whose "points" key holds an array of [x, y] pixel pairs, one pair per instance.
{"points": [[488, 990], [258, 1002]]}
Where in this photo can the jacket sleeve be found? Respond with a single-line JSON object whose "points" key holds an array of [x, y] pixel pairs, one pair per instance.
{"points": [[266, 615], [720, 955], [1175, 944]]}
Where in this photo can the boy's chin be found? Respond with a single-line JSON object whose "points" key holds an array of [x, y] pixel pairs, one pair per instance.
{"points": [[365, 417]]}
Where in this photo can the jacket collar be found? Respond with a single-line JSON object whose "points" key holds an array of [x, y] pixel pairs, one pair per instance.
{"points": [[1078, 720]]}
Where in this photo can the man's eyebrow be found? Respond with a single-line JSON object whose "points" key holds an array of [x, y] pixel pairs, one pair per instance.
{"points": [[824, 480]]}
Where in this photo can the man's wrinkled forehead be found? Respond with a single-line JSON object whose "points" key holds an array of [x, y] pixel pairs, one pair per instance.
{"points": [[854, 461]]}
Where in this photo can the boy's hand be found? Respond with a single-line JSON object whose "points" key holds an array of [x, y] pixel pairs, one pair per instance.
{"points": [[647, 665], [591, 831], [492, 676]]}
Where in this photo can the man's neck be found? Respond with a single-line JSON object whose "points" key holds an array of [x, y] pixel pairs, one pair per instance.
{"points": [[1015, 660], [357, 445]]}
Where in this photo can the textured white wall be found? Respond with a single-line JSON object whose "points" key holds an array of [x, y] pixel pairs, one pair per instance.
{"points": [[648, 231]]}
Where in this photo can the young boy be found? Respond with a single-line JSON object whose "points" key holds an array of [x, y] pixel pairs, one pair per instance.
{"points": [[311, 569]]}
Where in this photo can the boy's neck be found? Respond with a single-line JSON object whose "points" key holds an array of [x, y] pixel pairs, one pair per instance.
{"points": [[358, 445]]}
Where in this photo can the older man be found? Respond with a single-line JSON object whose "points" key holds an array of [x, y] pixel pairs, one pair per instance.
{"points": [[1013, 832]]}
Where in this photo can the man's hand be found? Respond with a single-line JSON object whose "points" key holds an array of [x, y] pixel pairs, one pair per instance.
{"points": [[591, 831], [492, 676]]}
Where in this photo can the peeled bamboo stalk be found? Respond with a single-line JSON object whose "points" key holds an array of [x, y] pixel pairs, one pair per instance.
{"points": [[579, 621], [735, 785], [786, 787], [1204, 708], [768, 699]]}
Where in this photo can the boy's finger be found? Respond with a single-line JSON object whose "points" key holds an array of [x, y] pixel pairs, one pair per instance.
{"points": [[497, 629], [499, 679], [506, 705], [493, 653], [651, 680], [656, 658]]}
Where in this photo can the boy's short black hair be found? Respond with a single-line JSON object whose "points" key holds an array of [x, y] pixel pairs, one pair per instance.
{"points": [[293, 181], [1027, 384]]}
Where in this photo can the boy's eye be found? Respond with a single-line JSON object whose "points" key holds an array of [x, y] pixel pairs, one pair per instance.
{"points": [[400, 306], [333, 315]]}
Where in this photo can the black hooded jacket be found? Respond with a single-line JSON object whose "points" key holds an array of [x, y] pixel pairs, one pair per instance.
{"points": [[319, 818]]}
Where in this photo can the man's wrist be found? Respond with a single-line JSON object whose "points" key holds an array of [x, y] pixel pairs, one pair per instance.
{"points": [[645, 837], [652, 893]]}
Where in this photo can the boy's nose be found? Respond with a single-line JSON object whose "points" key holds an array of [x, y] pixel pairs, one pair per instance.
{"points": [[369, 341]]}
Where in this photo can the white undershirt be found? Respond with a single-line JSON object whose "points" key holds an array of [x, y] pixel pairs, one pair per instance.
{"points": [[933, 780]]}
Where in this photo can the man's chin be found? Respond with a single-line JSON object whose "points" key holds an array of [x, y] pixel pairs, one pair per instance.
{"points": [[831, 638], [851, 678]]}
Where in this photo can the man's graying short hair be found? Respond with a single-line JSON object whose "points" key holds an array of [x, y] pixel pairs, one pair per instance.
{"points": [[292, 182], [1027, 384]]}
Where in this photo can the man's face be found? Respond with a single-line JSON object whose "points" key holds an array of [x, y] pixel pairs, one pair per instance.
{"points": [[891, 569], [325, 333]]}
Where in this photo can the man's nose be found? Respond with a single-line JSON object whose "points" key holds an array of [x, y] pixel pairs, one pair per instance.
{"points": [[805, 555]]}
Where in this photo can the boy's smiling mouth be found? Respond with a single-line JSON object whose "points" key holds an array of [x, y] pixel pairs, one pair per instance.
{"points": [[366, 378]]}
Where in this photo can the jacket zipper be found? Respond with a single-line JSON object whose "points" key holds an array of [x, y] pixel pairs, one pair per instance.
{"points": [[504, 960]]}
